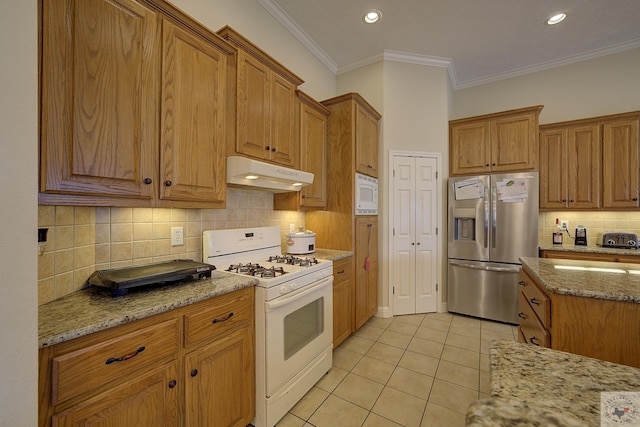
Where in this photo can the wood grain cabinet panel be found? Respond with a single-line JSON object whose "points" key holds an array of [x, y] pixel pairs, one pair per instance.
{"points": [[343, 290], [591, 164], [266, 124], [133, 106], [499, 142], [313, 158], [172, 369], [346, 125]]}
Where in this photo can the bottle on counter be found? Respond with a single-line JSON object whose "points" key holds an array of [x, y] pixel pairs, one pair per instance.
{"points": [[557, 233]]}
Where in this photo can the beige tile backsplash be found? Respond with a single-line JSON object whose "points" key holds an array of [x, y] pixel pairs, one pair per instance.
{"points": [[84, 239], [595, 222]]}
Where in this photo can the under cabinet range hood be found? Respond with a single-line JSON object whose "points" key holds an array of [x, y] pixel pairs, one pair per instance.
{"points": [[247, 172]]}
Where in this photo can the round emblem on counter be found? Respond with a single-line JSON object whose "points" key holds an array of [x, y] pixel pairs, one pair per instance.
{"points": [[620, 409]]}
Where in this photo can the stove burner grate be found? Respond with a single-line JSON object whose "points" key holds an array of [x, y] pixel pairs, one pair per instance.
{"points": [[293, 260], [257, 270]]}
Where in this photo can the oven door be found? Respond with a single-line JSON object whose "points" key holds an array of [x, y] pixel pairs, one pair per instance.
{"points": [[299, 326]]}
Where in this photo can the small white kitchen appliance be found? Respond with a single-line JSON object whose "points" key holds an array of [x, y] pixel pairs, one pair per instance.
{"points": [[301, 242]]}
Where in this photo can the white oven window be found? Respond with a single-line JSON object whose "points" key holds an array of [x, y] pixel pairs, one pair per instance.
{"points": [[303, 326]]}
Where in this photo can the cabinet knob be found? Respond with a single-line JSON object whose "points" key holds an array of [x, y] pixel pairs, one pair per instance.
{"points": [[267, 148], [635, 199], [571, 201], [412, 244], [194, 372], [167, 183], [172, 383], [493, 164], [273, 149], [564, 200], [369, 166], [148, 181]]}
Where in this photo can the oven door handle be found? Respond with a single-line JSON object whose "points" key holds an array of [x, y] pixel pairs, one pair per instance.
{"points": [[287, 299]]}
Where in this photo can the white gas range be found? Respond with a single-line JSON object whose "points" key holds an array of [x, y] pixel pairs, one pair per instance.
{"points": [[294, 314]]}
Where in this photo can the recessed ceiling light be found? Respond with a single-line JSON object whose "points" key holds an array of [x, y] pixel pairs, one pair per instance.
{"points": [[372, 16], [556, 19]]}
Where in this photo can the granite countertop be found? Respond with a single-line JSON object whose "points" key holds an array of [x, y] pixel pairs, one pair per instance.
{"points": [[332, 254], [93, 309], [591, 249], [532, 384], [612, 280]]}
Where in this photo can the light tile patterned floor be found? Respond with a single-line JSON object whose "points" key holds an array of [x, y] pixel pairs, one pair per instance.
{"points": [[414, 370]]}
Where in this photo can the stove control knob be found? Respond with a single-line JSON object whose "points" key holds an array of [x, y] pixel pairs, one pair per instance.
{"points": [[611, 242], [283, 289], [292, 286]]}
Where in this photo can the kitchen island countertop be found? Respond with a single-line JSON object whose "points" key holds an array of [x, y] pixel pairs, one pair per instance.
{"points": [[592, 279], [530, 384], [93, 309]]}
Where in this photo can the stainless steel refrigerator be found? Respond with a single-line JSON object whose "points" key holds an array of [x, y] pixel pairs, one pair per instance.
{"points": [[492, 222]]}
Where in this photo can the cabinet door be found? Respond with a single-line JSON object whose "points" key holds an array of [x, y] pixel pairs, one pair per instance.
{"points": [[553, 169], [313, 156], [583, 158], [342, 301], [514, 143], [99, 86], [220, 382], [283, 140], [253, 120], [194, 84], [469, 148], [366, 292], [620, 164], [149, 400], [366, 143]]}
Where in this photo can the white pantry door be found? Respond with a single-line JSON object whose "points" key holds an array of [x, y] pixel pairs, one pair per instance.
{"points": [[414, 260]]}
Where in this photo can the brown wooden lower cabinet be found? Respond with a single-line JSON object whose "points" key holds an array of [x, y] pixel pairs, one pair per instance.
{"points": [[599, 328], [172, 369], [342, 300]]}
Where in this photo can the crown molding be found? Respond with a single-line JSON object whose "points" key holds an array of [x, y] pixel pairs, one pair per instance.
{"points": [[290, 25]]}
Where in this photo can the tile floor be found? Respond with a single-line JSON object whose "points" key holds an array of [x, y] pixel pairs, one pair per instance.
{"points": [[414, 370]]}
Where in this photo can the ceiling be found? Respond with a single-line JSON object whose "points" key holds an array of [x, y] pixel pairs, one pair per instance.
{"points": [[477, 41]]}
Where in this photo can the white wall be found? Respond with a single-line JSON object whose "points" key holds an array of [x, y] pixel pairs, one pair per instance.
{"points": [[597, 87], [18, 214], [250, 19], [413, 100]]}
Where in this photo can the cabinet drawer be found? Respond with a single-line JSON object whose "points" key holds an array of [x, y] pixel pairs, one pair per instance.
{"points": [[532, 330], [219, 316], [342, 270], [83, 370], [539, 302]]}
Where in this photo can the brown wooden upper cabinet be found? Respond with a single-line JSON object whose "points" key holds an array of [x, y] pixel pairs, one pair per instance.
{"points": [[267, 115], [499, 142], [313, 158], [133, 106], [590, 163]]}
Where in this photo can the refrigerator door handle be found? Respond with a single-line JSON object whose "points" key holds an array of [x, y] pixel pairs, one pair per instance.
{"points": [[494, 195], [486, 218], [485, 268]]}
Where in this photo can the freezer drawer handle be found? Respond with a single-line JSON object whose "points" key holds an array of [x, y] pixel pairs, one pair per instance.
{"points": [[479, 267], [534, 301]]}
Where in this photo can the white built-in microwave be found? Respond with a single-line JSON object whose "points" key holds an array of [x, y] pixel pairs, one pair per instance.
{"points": [[366, 195]]}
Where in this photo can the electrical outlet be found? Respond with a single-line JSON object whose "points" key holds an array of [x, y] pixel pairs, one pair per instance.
{"points": [[177, 236], [564, 224]]}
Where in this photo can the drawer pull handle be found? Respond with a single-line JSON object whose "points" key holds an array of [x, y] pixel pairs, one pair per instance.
{"points": [[172, 383], [224, 319], [534, 301], [110, 360], [533, 340], [522, 315], [194, 372], [522, 283], [341, 272]]}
